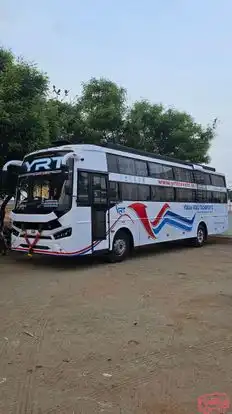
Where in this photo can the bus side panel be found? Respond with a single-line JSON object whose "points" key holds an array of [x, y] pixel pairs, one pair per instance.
{"points": [[121, 216], [82, 230], [217, 222], [171, 221], [160, 222]]}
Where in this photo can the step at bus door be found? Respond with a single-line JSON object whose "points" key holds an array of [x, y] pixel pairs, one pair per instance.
{"points": [[100, 211]]}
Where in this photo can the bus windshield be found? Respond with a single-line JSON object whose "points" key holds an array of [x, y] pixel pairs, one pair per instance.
{"points": [[44, 193]]}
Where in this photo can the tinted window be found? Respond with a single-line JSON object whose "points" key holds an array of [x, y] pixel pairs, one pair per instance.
{"points": [[143, 192], [99, 189], [113, 192], [83, 188], [218, 180], [159, 193], [204, 196], [112, 162], [126, 165], [160, 171], [168, 172], [219, 197], [128, 191], [155, 170], [141, 168], [207, 179], [182, 174], [199, 177], [185, 195], [202, 178]]}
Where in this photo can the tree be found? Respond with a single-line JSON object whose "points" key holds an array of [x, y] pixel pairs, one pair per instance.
{"points": [[103, 106], [167, 132], [30, 120], [23, 120]]}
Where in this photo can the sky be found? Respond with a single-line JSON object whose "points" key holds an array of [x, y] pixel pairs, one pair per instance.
{"points": [[177, 52]]}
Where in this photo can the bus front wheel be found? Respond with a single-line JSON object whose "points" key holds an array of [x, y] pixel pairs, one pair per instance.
{"points": [[121, 247], [201, 236]]}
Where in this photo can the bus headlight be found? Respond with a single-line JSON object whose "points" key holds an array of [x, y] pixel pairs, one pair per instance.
{"points": [[63, 233]]}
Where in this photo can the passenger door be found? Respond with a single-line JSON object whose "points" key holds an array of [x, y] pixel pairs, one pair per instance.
{"points": [[99, 211]]}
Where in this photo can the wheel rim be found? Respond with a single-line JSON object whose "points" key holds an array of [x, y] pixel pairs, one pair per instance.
{"points": [[120, 247], [200, 236]]}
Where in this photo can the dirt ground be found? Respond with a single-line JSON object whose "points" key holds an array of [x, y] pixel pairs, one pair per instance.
{"points": [[149, 335]]}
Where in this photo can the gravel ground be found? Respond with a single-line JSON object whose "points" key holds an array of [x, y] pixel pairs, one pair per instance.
{"points": [[148, 335]]}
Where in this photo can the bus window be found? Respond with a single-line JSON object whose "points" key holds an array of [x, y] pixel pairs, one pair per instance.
{"points": [[185, 195], [112, 162], [129, 191], [143, 192], [218, 180], [204, 196], [113, 192], [141, 168], [161, 171], [126, 165], [159, 193], [168, 172], [99, 190], [156, 170], [183, 174], [83, 188]]}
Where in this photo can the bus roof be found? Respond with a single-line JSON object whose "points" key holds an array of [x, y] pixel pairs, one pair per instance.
{"points": [[62, 146]]}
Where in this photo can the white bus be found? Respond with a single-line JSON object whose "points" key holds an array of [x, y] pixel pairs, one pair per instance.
{"points": [[74, 200]]}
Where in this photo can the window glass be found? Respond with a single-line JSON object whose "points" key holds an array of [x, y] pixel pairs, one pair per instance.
{"points": [[199, 177], [156, 170], [224, 197], [207, 179], [202, 178], [113, 192], [218, 180], [99, 189], [219, 197], [112, 162], [83, 188], [168, 172], [185, 195], [141, 168], [204, 196], [208, 197], [143, 192], [126, 165], [159, 193], [183, 174], [129, 191]]}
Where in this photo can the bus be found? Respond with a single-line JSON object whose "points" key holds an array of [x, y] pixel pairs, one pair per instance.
{"points": [[75, 200]]}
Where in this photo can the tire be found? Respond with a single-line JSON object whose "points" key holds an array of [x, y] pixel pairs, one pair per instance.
{"points": [[121, 247], [201, 237]]}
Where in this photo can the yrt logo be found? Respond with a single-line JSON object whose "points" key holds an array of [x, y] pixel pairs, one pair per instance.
{"points": [[52, 163]]}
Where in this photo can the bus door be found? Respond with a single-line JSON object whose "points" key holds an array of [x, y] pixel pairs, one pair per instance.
{"points": [[99, 211]]}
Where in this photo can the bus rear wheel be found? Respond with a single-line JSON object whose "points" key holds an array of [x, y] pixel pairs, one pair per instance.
{"points": [[201, 237], [121, 247]]}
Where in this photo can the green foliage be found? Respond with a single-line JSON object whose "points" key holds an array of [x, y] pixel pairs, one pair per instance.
{"points": [[169, 132], [103, 105], [30, 119], [23, 116]]}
